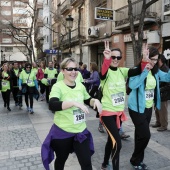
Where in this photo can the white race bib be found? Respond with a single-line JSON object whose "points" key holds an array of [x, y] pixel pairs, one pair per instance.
{"points": [[29, 82], [149, 94], [79, 116], [118, 99], [4, 83]]}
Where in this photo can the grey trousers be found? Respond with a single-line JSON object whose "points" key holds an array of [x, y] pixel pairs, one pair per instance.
{"points": [[162, 115]]}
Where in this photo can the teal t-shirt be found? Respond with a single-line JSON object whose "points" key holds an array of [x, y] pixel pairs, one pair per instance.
{"points": [[71, 119], [114, 90]]}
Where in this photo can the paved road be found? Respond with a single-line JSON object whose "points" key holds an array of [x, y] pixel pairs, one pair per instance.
{"points": [[21, 136]]}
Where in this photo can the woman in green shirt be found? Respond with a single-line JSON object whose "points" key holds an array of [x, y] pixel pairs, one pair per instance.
{"points": [[5, 83], [69, 132]]}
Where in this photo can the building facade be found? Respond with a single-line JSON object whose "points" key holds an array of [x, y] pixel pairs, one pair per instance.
{"points": [[13, 13]]}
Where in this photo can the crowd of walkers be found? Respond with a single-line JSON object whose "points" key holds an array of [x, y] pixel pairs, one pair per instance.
{"points": [[71, 89]]}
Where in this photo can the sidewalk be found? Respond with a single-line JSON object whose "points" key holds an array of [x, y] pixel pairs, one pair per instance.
{"points": [[21, 135]]}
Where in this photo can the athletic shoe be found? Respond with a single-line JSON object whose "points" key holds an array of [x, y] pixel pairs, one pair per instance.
{"points": [[137, 167], [144, 166], [100, 129], [124, 136], [28, 109], [104, 167], [31, 111]]}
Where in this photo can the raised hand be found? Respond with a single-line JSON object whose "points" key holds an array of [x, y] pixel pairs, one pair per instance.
{"points": [[145, 53], [107, 51]]}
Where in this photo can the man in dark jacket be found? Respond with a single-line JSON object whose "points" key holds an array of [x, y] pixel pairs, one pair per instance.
{"points": [[15, 71], [162, 114]]}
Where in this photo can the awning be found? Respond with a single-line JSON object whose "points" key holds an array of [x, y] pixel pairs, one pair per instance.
{"points": [[18, 56], [97, 42]]}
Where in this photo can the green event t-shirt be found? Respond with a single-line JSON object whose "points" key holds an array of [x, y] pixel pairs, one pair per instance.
{"points": [[149, 90], [68, 119], [114, 91], [50, 73], [35, 70], [28, 78], [5, 83], [79, 77]]}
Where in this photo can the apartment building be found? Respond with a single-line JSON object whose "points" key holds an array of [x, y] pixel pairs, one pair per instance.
{"points": [[165, 28], [89, 31], [13, 13]]}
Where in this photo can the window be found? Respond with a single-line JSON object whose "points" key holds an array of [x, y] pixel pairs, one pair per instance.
{"points": [[6, 12], [6, 31], [8, 49], [6, 40], [5, 3]]}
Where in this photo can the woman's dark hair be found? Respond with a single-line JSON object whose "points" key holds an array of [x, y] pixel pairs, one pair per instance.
{"points": [[117, 49], [28, 64], [162, 58], [153, 51]]}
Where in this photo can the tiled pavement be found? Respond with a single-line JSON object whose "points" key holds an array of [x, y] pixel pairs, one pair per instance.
{"points": [[21, 136]]}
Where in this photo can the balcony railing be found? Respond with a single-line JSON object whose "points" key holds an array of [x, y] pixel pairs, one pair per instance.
{"points": [[122, 14], [65, 7], [75, 2]]}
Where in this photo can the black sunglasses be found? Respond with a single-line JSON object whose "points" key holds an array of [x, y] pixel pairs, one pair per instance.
{"points": [[118, 57], [71, 69]]}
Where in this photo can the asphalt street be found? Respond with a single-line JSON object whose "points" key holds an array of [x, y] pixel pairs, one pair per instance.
{"points": [[22, 134]]}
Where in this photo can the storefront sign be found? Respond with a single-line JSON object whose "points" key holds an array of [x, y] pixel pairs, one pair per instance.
{"points": [[52, 51], [103, 13], [127, 37]]}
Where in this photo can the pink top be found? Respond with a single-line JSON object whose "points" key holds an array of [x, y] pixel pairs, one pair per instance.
{"points": [[40, 74], [122, 114]]}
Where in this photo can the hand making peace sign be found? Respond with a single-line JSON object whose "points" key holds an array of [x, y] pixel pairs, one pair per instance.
{"points": [[107, 51]]}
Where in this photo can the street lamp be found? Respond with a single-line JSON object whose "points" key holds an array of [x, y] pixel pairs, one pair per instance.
{"points": [[69, 25], [1, 55]]}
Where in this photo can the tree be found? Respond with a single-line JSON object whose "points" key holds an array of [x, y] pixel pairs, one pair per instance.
{"points": [[22, 28], [137, 44]]}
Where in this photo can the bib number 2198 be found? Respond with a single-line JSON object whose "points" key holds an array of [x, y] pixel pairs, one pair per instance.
{"points": [[79, 116]]}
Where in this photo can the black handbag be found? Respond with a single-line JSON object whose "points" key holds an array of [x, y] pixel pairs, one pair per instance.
{"points": [[165, 93]]}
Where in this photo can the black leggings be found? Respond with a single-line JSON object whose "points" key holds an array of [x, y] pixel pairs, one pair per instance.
{"points": [[113, 145], [42, 87], [142, 134], [63, 147], [31, 99], [6, 97], [15, 93]]}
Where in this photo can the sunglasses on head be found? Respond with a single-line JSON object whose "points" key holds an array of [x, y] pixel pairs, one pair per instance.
{"points": [[118, 57], [71, 69], [28, 67]]}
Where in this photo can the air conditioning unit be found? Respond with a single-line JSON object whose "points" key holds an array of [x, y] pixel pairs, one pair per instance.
{"points": [[93, 32]]}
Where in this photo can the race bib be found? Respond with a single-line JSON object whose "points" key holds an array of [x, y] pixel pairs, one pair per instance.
{"points": [[149, 94], [118, 99], [79, 116], [29, 82], [4, 83]]}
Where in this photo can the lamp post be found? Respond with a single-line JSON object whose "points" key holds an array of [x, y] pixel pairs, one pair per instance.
{"points": [[1, 56], [69, 25]]}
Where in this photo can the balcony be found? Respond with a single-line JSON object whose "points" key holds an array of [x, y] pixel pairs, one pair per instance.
{"points": [[65, 7], [122, 20], [39, 23], [75, 2], [166, 7]]}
